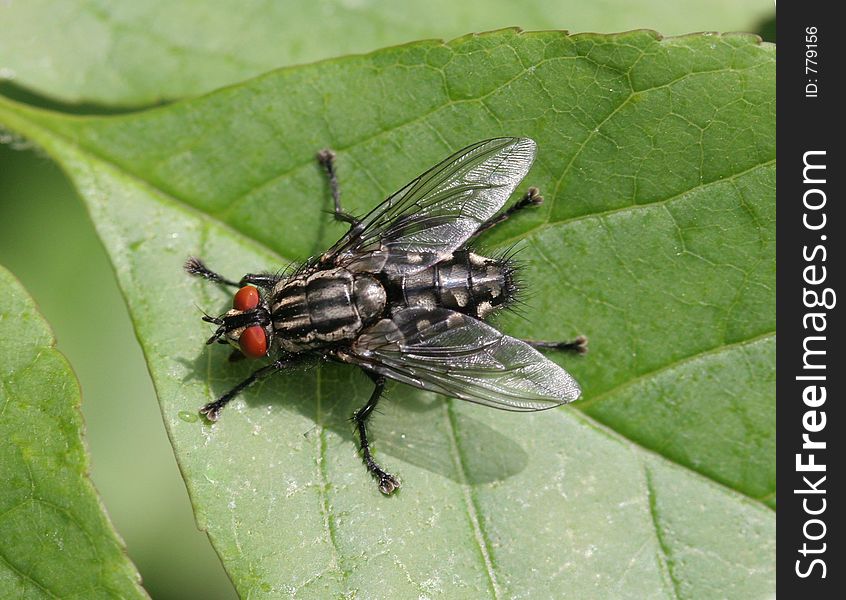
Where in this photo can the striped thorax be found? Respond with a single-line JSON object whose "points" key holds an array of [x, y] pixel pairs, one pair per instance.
{"points": [[318, 308]]}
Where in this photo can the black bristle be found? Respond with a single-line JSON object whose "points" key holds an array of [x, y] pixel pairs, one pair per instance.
{"points": [[511, 270], [194, 266], [197, 268]]}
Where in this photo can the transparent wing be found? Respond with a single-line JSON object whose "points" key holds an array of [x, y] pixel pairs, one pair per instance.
{"points": [[453, 354], [435, 214]]}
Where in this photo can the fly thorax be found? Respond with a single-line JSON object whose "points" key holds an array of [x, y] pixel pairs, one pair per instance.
{"points": [[289, 308], [325, 306]]}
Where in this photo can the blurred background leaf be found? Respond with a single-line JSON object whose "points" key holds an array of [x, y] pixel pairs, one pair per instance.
{"points": [[55, 539], [671, 139], [121, 52], [46, 237]]}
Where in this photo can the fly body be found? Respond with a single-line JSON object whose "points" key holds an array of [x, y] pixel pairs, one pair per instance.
{"points": [[403, 296]]}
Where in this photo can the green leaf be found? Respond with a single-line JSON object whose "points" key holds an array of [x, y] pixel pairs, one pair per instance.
{"points": [[55, 538], [135, 53], [656, 240]]}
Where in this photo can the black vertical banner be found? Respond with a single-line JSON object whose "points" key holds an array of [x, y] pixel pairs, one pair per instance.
{"points": [[810, 230]]}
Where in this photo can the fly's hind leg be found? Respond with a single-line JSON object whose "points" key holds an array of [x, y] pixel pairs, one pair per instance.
{"points": [[326, 158], [578, 345], [532, 197], [388, 484]]}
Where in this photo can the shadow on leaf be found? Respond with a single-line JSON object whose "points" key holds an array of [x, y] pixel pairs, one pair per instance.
{"points": [[416, 427]]}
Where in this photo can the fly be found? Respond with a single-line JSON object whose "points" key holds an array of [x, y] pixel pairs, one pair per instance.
{"points": [[403, 296]]}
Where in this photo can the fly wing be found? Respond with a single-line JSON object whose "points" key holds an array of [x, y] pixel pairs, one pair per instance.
{"points": [[432, 216], [456, 355]]}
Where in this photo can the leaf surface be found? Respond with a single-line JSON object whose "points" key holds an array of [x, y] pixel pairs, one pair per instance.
{"points": [[55, 538], [657, 162], [129, 53]]}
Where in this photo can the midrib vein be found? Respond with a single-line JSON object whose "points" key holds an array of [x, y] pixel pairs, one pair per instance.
{"points": [[325, 505], [469, 501]]}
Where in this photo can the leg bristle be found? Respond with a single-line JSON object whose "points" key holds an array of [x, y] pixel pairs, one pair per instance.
{"points": [[579, 345], [325, 157], [197, 268]]}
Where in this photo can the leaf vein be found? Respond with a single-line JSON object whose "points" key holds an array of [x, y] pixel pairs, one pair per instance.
{"points": [[665, 555], [585, 404], [621, 209], [472, 509], [323, 488]]}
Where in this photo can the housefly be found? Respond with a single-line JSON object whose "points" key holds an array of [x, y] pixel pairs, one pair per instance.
{"points": [[403, 296]]}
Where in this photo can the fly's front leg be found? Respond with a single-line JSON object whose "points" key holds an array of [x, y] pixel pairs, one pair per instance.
{"points": [[262, 280], [532, 197], [212, 409], [326, 158], [388, 484], [577, 345], [197, 268]]}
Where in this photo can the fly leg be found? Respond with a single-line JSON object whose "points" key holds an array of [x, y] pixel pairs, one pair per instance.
{"points": [[577, 345], [262, 280], [196, 267], [326, 158], [388, 484], [212, 409], [532, 197]]}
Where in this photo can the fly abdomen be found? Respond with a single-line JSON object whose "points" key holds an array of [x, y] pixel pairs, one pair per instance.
{"points": [[466, 282], [475, 285]]}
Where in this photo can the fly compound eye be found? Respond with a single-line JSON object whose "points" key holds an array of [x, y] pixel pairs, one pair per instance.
{"points": [[253, 340], [247, 298]]}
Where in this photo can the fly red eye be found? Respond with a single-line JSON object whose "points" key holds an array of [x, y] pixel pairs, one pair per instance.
{"points": [[253, 341], [247, 298]]}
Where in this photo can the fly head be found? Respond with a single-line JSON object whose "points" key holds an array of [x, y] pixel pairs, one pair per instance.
{"points": [[247, 325]]}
